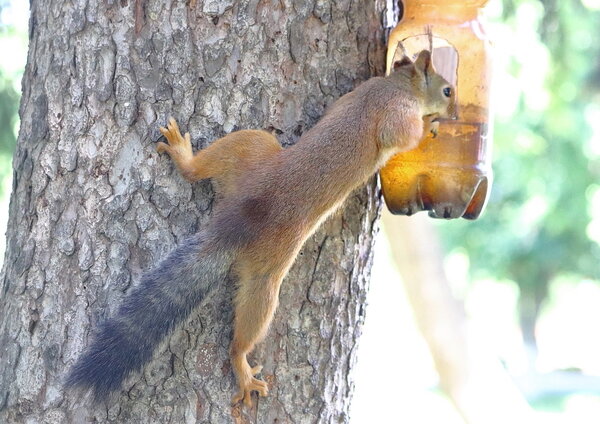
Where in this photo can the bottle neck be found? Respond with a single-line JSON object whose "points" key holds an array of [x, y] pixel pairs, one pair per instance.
{"points": [[431, 11]]}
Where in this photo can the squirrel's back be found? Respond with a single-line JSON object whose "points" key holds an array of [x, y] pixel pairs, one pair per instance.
{"points": [[295, 188]]}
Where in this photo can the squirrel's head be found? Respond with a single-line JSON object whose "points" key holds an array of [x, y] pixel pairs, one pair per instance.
{"points": [[437, 94]]}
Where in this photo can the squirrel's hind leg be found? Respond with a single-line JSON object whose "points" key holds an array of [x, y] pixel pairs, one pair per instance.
{"points": [[255, 303]]}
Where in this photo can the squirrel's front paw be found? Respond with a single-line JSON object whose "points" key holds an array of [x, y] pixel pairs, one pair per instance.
{"points": [[434, 128], [431, 125], [178, 146], [248, 386]]}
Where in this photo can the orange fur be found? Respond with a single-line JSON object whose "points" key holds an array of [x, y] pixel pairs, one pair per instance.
{"points": [[225, 160], [272, 199]]}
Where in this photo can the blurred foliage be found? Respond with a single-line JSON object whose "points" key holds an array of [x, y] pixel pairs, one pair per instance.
{"points": [[540, 222], [9, 95], [9, 101]]}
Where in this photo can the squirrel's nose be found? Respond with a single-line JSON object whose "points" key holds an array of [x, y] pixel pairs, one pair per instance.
{"points": [[454, 112]]}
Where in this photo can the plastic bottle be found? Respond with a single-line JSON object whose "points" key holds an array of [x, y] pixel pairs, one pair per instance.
{"points": [[450, 175]]}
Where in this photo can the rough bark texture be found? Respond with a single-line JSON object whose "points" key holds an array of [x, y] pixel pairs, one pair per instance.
{"points": [[93, 204]]}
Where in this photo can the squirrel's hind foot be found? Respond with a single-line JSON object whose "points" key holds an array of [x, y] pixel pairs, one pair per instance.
{"points": [[249, 385]]}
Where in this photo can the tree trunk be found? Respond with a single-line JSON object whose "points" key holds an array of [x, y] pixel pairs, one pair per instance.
{"points": [[93, 204]]}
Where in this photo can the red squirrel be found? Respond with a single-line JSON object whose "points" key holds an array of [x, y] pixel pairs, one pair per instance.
{"points": [[269, 201]]}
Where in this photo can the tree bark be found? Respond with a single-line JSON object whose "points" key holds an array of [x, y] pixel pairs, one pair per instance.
{"points": [[93, 204]]}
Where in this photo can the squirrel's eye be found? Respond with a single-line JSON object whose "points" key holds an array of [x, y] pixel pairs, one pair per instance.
{"points": [[447, 91]]}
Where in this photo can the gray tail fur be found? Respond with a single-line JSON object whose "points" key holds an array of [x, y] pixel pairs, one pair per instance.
{"points": [[163, 299]]}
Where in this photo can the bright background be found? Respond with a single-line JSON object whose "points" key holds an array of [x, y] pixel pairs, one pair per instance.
{"points": [[528, 271]]}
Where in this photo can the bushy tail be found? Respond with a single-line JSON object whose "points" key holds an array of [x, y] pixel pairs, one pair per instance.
{"points": [[164, 298]]}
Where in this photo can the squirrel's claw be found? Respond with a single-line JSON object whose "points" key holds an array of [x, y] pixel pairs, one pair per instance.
{"points": [[245, 393], [162, 147], [433, 127], [176, 144]]}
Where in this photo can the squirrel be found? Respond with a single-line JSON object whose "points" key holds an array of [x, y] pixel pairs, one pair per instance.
{"points": [[270, 199]]}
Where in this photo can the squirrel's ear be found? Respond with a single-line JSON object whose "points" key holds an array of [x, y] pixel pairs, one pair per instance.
{"points": [[424, 63], [400, 59], [404, 61]]}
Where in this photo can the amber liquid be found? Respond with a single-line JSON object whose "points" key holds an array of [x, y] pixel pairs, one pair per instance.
{"points": [[449, 175]]}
